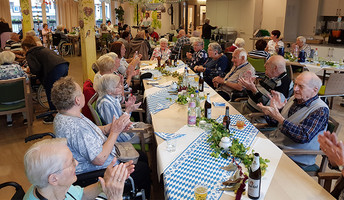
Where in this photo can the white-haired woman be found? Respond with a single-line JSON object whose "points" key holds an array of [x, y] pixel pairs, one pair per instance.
{"points": [[92, 146], [59, 30], [50, 168], [216, 65], [239, 43], [109, 104], [10, 70], [301, 45], [162, 51]]}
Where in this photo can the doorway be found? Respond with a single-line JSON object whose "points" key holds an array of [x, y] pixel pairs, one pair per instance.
{"points": [[202, 15], [191, 18]]}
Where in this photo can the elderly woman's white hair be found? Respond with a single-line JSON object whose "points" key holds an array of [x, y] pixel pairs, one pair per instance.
{"points": [[43, 159], [107, 84], [7, 57], [239, 42], [215, 47], [113, 55], [31, 33], [163, 40], [199, 41], [106, 63], [242, 53], [207, 20], [59, 27], [301, 39]]}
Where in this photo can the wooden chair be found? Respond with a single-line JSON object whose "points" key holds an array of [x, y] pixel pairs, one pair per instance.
{"points": [[185, 48], [334, 87], [229, 56], [92, 106], [16, 90]]}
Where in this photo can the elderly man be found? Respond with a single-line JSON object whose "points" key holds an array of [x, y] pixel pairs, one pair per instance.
{"points": [[59, 30], [229, 86], [14, 45], [50, 167], [138, 44], [301, 45], [181, 41], [301, 120], [275, 79], [200, 56]]}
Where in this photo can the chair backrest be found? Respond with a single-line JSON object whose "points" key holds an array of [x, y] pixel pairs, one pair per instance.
{"points": [[185, 48], [289, 71], [333, 125], [56, 39], [19, 194], [229, 56], [4, 37], [335, 84], [92, 106], [257, 62], [13, 88], [88, 91]]}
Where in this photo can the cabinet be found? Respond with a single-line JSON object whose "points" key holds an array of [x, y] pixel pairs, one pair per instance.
{"points": [[332, 7]]}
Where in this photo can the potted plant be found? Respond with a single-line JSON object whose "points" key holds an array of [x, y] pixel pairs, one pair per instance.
{"points": [[120, 14]]}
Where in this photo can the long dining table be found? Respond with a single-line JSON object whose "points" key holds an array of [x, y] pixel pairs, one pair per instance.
{"points": [[287, 180]]}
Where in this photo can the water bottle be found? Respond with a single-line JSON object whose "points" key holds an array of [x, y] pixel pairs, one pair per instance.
{"points": [[192, 111], [185, 77], [302, 56], [296, 51], [136, 55], [315, 55], [281, 51]]}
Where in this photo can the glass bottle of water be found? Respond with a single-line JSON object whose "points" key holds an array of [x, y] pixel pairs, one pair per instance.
{"points": [[192, 111], [198, 104]]}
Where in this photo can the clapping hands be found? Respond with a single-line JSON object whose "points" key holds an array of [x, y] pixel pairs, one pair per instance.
{"points": [[275, 105], [130, 104]]}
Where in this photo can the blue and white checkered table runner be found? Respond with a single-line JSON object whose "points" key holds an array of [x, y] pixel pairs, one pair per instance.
{"points": [[160, 100], [196, 166]]}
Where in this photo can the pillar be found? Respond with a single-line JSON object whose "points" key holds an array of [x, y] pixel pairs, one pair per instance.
{"points": [[44, 13], [87, 37], [25, 6], [103, 12]]}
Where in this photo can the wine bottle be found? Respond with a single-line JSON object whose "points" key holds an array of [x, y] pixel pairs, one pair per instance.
{"points": [[159, 61], [226, 119], [207, 107], [201, 82], [254, 179]]}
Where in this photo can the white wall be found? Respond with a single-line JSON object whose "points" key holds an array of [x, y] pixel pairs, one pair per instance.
{"points": [[238, 14], [274, 15], [291, 20]]}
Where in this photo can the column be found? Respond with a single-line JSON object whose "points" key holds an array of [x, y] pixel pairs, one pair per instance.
{"points": [[103, 12], [87, 37], [44, 13], [25, 6]]}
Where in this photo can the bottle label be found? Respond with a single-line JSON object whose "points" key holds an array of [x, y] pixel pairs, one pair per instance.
{"points": [[209, 113], [192, 120], [253, 188], [192, 104]]}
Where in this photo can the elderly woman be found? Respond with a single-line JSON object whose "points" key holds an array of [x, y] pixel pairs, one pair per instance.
{"points": [[239, 43], [301, 45], [46, 34], [92, 146], [200, 56], [109, 105], [275, 43], [50, 168], [126, 65], [59, 30], [216, 65], [260, 50], [162, 51], [47, 66], [10, 70], [32, 33], [109, 64]]}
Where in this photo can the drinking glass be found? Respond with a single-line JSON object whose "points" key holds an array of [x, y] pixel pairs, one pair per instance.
{"points": [[171, 144], [201, 192], [240, 124]]}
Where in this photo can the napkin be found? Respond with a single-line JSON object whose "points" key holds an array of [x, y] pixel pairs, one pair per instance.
{"points": [[218, 104], [167, 136]]}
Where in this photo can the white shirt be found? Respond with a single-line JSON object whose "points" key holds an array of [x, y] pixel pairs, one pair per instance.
{"points": [[272, 46], [146, 21]]}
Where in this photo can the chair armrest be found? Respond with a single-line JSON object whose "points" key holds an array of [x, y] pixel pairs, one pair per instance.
{"points": [[253, 115], [241, 99], [303, 152], [260, 125], [329, 175]]}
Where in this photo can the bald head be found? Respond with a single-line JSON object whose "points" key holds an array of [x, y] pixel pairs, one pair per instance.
{"points": [[275, 66], [312, 80]]}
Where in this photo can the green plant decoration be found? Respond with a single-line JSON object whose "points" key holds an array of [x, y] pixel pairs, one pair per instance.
{"points": [[120, 14], [155, 22]]}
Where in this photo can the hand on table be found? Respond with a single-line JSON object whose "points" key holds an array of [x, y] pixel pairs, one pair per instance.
{"points": [[188, 55], [199, 68]]}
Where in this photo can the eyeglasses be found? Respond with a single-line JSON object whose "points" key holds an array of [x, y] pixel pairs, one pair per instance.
{"points": [[72, 164]]}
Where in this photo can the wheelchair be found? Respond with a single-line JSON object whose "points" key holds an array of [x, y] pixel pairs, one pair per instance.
{"points": [[64, 47], [83, 180]]}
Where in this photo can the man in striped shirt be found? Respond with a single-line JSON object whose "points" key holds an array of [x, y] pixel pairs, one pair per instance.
{"points": [[14, 45]]}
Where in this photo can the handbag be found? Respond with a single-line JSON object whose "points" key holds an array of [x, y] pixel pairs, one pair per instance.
{"points": [[126, 152]]}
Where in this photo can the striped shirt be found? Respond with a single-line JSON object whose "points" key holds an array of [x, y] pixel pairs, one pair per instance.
{"points": [[13, 45], [259, 53], [309, 127], [109, 107]]}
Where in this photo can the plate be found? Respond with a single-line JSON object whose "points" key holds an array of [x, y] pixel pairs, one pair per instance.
{"points": [[154, 79]]}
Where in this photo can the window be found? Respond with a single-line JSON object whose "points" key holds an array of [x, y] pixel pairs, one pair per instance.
{"points": [[16, 16]]}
